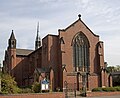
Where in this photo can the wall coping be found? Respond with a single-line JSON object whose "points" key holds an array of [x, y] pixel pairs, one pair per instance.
{"points": [[31, 94]]}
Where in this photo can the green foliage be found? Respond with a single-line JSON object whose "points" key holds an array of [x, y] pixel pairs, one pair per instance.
{"points": [[106, 89], [117, 88], [9, 86], [26, 90], [109, 89], [99, 89], [110, 69], [113, 68], [36, 87]]}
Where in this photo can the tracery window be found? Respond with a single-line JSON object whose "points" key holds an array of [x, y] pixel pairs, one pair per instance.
{"points": [[81, 52]]}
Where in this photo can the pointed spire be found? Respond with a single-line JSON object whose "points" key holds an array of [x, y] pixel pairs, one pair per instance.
{"points": [[12, 41], [38, 40], [12, 35], [38, 37], [38, 28]]}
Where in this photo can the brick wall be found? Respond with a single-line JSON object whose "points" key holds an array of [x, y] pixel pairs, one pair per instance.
{"points": [[92, 94], [44, 95], [93, 82]]}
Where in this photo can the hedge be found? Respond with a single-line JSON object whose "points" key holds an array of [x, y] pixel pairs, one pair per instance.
{"points": [[106, 89]]}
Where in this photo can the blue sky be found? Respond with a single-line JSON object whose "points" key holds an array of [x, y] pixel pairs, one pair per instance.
{"points": [[101, 16]]}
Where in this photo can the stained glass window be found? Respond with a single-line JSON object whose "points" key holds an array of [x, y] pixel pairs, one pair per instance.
{"points": [[80, 52]]}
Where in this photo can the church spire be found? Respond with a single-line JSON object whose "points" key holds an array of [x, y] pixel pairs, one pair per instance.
{"points": [[38, 40], [12, 41], [12, 35]]}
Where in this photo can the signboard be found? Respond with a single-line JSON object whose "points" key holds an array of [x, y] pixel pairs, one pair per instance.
{"points": [[43, 87], [45, 84]]}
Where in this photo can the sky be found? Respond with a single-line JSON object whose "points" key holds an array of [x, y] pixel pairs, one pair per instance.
{"points": [[22, 16]]}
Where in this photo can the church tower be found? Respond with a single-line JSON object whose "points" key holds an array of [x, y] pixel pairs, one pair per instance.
{"points": [[38, 40], [12, 53]]}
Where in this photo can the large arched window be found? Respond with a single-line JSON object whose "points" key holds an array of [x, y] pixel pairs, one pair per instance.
{"points": [[81, 52]]}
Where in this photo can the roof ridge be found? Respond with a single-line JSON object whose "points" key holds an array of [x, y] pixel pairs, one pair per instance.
{"points": [[82, 23]]}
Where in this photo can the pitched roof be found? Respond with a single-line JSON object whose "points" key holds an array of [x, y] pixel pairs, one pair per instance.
{"points": [[23, 52], [41, 70], [115, 73]]}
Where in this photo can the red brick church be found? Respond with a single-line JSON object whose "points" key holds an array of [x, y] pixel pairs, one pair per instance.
{"points": [[75, 56]]}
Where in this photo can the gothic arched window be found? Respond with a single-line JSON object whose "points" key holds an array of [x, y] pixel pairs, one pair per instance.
{"points": [[80, 52]]}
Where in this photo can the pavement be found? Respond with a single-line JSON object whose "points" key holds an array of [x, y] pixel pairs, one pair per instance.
{"points": [[115, 96], [73, 96]]}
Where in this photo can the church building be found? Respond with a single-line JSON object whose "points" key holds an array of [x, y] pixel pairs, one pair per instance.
{"points": [[75, 56]]}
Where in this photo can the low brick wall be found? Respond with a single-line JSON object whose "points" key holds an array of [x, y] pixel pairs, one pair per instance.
{"points": [[42, 95], [92, 94]]}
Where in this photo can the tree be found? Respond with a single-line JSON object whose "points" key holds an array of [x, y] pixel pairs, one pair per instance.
{"points": [[117, 67], [9, 86], [110, 69], [113, 68]]}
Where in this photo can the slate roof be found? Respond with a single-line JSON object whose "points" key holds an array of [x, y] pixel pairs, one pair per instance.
{"points": [[115, 73], [41, 70], [23, 52]]}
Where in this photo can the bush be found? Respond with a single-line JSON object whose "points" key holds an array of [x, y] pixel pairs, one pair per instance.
{"points": [[106, 89], [27, 90], [36, 87], [109, 89], [117, 88], [99, 89]]}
